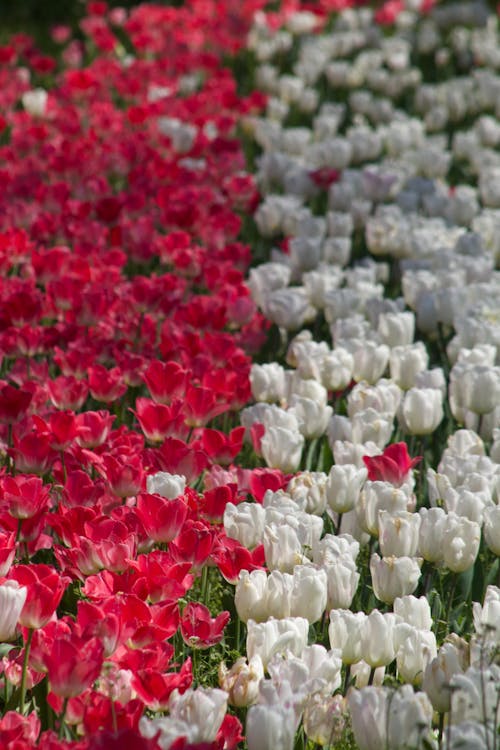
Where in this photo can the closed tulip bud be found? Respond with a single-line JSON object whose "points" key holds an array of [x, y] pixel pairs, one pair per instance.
{"points": [[250, 595], [289, 308], [377, 639], [282, 448], [270, 727], [344, 632], [275, 637], [336, 369], [169, 486], [312, 417], [415, 611], [394, 576], [409, 720], [282, 548], [414, 654], [376, 497], [343, 486], [369, 425], [370, 362], [309, 593], [398, 533], [268, 382], [480, 389], [245, 522], [342, 583], [368, 709], [396, 329], [12, 598], [308, 489], [324, 718], [430, 540], [460, 542], [202, 708], [487, 617], [491, 528], [406, 362], [331, 549], [278, 595], [421, 411], [437, 676], [241, 682]]}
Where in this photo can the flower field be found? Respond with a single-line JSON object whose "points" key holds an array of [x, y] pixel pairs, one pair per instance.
{"points": [[250, 378]]}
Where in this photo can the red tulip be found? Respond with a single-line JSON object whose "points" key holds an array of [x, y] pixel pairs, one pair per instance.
{"points": [[392, 466], [199, 629]]}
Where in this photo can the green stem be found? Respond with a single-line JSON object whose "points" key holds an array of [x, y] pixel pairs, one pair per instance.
{"points": [[63, 714], [372, 675], [204, 584], [24, 675]]}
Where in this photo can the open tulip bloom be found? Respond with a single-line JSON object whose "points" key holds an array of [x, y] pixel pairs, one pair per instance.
{"points": [[250, 377]]}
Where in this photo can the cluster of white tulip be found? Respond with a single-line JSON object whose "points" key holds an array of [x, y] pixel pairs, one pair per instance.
{"points": [[343, 166]]}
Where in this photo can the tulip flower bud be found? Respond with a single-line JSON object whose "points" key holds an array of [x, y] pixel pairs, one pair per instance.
{"points": [[421, 411], [308, 489], [432, 526], [343, 486], [376, 497], [398, 533], [250, 595], [12, 598], [342, 582], [370, 361], [396, 329], [270, 727], [278, 594], [312, 417], [282, 547], [406, 362], [409, 720], [245, 522], [267, 382], [282, 448], [491, 528], [344, 632], [416, 612], [309, 593], [361, 672], [394, 576], [241, 682], [169, 486], [480, 389], [324, 718], [414, 654], [377, 639], [276, 636], [437, 676], [460, 543], [368, 709]]}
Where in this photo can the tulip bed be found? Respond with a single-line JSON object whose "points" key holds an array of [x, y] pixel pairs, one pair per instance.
{"points": [[250, 381]]}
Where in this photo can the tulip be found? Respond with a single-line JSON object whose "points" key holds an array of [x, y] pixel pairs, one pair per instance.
{"points": [[396, 329], [376, 497], [491, 529], [268, 382], [342, 582], [250, 596], [368, 709], [276, 636], [282, 448], [406, 362], [394, 576], [421, 411], [377, 641], [241, 682], [344, 632], [416, 612], [370, 361], [283, 548], [203, 709], [309, 592], [409, 720], [169, 486], [343, 487], [398, 533], [12, 599], [270, 727], [438, 674], [245, 522], [278, 595], [430, 540], [309, 490], [460, 542], [414, 654], [324, 718]]}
